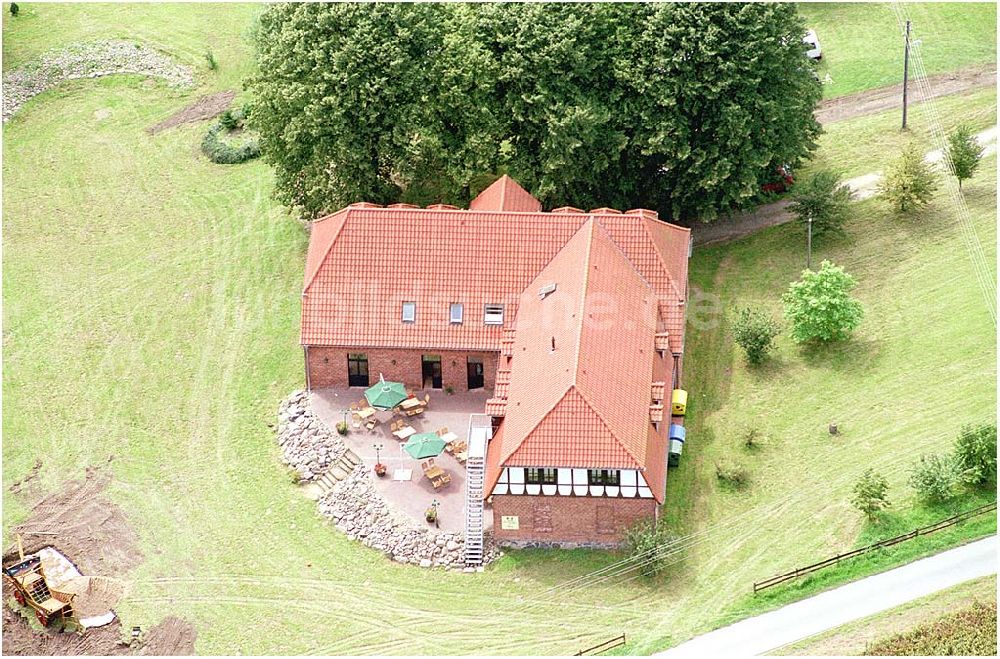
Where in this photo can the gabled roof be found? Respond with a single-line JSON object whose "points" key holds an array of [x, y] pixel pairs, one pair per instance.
{"points": [[505, 194], [584, 403], [365, 261]]}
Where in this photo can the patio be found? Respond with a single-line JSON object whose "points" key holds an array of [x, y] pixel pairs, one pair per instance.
{"points": [[415, 495]]}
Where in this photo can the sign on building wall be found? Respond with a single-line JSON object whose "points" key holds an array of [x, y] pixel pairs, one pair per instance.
{"points": [[510, 522]]}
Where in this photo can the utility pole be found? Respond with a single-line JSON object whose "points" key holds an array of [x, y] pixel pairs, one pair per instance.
{"points": [[809, 244], [906, 68]]}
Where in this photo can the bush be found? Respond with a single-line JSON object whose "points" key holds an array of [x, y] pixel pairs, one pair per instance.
{"points": [[975, 454], [754, 331], [210, 59], [909, 183], [649, 545], [825, 200], [342, 427], [14, 9], [934, 478], [871, 494], [820, 307], [733, 474], [222, 152]]}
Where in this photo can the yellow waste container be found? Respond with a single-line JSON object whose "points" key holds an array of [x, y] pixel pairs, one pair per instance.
{"points": [[679, 402]]}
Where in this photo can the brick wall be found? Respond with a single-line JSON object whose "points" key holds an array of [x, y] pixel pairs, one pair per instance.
{"points": [[568, 519], [328, 366]]}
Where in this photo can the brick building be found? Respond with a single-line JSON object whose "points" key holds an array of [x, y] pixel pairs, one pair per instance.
{"points": [[573, 320]]}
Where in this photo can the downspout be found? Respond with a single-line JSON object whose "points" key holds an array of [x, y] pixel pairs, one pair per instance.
{"points": [[305, 350]]}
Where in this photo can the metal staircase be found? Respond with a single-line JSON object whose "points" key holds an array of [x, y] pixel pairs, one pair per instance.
{"points": [[480, 431]]}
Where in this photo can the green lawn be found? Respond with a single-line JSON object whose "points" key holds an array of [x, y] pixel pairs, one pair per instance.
{"points": [[151, 306], [868, 144], [863, 44]]}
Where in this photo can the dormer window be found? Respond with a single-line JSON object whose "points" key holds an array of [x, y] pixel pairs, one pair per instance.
{"points": [[409, 312], [455, 313], [493, 314]]}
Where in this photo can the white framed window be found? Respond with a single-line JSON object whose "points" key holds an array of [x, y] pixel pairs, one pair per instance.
{"points": [[455, 313], [493, 314], [409, 312]]}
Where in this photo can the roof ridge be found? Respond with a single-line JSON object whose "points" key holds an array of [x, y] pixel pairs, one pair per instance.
{"points": [[583, 295], [628, 260], [326, 252], [639, 464], [659, 256]]}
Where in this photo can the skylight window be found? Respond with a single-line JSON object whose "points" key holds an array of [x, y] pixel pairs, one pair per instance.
{"points": [[493, 314], [409, 312], [456, 312]]}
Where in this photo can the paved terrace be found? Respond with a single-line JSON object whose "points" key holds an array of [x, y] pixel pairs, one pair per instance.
{"points": [[411, 497]]}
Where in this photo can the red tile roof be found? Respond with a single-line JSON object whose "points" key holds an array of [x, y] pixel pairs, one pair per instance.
{"points": [[583, 363], [505, 195], [365, 261]]}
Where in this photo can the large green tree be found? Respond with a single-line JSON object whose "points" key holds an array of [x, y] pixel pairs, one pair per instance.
{"points": [[685, 108]]}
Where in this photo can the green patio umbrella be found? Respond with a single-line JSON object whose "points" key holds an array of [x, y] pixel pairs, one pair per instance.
{"points": [[385, 395], [424, 445]]}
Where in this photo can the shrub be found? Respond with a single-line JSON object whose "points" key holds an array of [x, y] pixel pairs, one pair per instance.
{"points": [[733, 474], [342, 427], [909, 183], [825, 200], [14, 9], [649, 544], [819, 305], [964, 153], [934, 478], [754, 331], [223, 152], [210, 59], [871, 494], [975, 454], [751, 439], [968, 632]]}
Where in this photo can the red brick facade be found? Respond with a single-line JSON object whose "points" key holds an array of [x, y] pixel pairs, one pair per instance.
{"points": [[327, 366], [568, 519]]}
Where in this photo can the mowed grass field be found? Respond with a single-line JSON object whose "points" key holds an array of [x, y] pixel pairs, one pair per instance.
{"points": [[858, 146], [151, 305], [863, 42]]}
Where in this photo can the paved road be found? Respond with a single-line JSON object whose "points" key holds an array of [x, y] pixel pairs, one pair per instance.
{"points": [[768, 215], [841, 605]]}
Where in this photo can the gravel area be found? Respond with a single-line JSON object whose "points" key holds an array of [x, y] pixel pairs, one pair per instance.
{"points": [[89, 60]]}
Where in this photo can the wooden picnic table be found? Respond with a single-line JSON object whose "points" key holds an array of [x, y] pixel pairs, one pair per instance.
{"points": [[411, 403], [367, 412], [404, 432], [449, 437]]}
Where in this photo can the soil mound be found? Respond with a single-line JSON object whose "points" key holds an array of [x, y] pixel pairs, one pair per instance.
{"points": [[84, 525]]}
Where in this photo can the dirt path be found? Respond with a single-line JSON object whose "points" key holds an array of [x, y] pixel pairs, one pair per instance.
{"points": [[872, 101], [769, 215], [206, 107]]}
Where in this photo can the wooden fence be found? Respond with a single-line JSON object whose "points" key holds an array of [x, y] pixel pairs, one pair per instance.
{"points": [[881, 544], [618, 641]]}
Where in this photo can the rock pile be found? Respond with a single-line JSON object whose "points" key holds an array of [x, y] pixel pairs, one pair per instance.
{"points": [[355, 505], [307, 445], [88, 60]]}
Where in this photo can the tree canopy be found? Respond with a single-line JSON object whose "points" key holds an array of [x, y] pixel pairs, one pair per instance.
{"points": [[964, 153], [820, 307], [684, 108]]}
